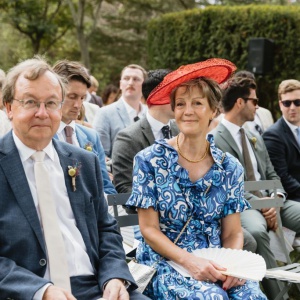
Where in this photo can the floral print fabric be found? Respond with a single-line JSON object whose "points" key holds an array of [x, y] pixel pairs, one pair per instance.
{"points": [[160, 182]]}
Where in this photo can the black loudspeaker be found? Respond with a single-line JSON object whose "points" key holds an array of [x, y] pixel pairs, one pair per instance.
{"points": [[260, 55]]}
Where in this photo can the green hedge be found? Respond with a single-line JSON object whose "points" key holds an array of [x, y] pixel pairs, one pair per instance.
{"points": [[221, 31]]}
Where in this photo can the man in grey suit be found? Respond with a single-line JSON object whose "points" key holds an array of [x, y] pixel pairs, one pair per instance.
{"points": [[91, 248], [109, 120], [141, 134], [239, 104]]}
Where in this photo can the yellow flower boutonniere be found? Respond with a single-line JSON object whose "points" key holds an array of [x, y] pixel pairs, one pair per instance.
{"points": [[253, 141], [88, 146], [74, 172]]}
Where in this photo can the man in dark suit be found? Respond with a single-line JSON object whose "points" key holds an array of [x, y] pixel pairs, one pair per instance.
{"points": [[240, 103], [94, 261], [283, 138], [141, 134], [86, 138]]}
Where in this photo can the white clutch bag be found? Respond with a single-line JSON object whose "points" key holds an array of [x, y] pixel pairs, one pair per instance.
{"points": [[239, 263]]}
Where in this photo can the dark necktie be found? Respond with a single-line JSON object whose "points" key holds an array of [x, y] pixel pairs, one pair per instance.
{"points": [[248, 163], [166, 132], [135, 119], [258, 129], [69, 133]]}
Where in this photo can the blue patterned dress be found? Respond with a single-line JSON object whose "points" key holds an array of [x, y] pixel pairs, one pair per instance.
{"points": [[160, 182]]}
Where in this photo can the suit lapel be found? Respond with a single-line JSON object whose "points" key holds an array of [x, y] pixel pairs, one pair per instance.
{"points": [[81, 137], [227, 138], [174, 129], [290, 134], [14, 172], [121, 109], [147, 131]]}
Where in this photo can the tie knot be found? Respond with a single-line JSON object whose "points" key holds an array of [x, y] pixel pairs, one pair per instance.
{"points": [[38, 156], [242, 130], [166, 131], [68, 131]]}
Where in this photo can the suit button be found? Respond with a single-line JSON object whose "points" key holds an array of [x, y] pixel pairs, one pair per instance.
{"points": [[43, 262]]}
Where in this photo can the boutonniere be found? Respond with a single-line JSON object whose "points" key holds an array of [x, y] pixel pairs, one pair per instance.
{"points": [[74, 172], [88, 146], [253, 141]]}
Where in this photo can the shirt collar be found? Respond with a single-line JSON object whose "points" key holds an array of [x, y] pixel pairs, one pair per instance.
{"points": [[26, 152], [155, 124], [233, 128], [292, 126], [131, 111], [62, 126]]}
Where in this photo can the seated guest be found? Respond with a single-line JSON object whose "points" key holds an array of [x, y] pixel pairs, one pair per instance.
{"points": [[109, 120], [142, 133], [58, 240], [110, 94], [175, 186], [91, 95], [240, 103], [71, 132], [283, 138]]}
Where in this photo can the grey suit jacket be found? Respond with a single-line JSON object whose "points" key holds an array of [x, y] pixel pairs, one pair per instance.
{"points": [[284, 152], [109, 120], [226, 143], [22, 250], [128, 143]]}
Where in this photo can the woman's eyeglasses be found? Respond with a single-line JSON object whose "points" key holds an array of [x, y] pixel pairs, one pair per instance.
{"points": [[254, 100], [288, 103]]}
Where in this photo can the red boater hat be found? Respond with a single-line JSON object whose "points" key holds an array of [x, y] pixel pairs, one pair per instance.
{"points": [[217, 69]]}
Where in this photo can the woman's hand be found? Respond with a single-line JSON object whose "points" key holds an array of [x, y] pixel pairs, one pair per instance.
{"points": [[204, 270], [231, 282]]}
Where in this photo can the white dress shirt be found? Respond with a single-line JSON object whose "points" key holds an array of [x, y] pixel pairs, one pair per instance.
{"points": [[132, 113], [156, 126], [62, 135], [77, 257]]}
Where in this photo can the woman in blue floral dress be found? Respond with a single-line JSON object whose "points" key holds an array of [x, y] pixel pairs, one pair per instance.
{"points": [[187, 176]]}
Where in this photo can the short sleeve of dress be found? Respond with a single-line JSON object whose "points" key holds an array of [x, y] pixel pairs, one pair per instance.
{"points": [[236, 201], [144, 192]]}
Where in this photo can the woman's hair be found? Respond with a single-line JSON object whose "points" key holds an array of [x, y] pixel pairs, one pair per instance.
{"points": [[107, 91], [209, 89], [238, 87], [287, 86], [31, 69]]}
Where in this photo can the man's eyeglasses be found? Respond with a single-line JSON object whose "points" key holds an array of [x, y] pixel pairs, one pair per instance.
{"points": [[288, 103], [31, 104], [254, 100]]}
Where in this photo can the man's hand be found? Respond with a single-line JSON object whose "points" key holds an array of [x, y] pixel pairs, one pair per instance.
{"points": [[57, 293], [115, 290], [271, 217]]}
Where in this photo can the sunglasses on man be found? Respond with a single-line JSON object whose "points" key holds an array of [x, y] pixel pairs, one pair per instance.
{"points": [[288, 103], [254, 100]]}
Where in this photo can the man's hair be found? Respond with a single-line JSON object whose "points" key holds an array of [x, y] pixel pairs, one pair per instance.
{"points": [[94, 82], [134, 66], [155, 77], [244, 74], [209, 88], [31, 69], [238, 87], [287, 86], [72, 70]]}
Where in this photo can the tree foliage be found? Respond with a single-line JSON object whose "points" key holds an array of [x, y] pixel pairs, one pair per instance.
{"points": [[43, 22]]}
